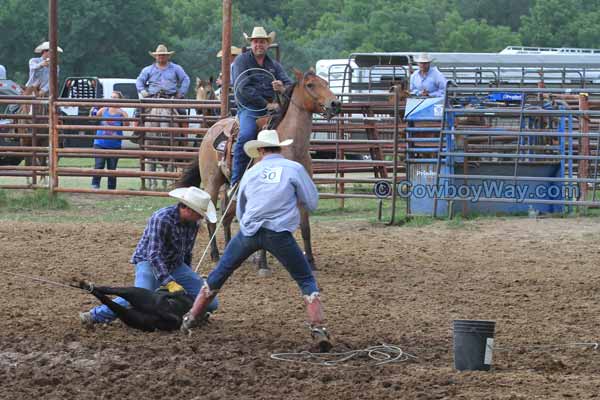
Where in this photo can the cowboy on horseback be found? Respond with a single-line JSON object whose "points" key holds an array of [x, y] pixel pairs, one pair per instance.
{"points": [[255, 93], [39, 69], [164, 77]]}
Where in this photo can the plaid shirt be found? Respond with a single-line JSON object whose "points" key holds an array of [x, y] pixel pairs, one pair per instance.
{"points": [[167, 243]]}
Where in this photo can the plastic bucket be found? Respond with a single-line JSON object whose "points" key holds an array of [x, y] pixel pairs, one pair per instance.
{"points": [[473, 344]]}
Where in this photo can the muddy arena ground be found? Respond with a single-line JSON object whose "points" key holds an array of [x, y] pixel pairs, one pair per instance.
{"points": [[538, 279]]}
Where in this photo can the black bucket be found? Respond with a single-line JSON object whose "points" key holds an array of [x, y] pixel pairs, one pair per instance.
{"points": [[473, 344]]}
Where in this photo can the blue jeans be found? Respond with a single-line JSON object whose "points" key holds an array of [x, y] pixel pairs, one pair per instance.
{"points": [[248, 131], [111, 163], [281, 244], [144, 278]]}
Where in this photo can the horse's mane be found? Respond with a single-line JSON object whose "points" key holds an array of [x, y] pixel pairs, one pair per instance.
{"points": [[285, 105]]}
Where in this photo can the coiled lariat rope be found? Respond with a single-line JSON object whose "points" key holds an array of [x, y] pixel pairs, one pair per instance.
{"points": [[381, 354]]}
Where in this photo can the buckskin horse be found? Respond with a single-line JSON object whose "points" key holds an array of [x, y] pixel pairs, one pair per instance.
{"points": [[310, 94]]}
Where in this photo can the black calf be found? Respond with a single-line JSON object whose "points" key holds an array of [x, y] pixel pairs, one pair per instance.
{"points": [[149, 310]]}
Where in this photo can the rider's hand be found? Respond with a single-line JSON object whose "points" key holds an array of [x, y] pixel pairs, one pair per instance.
{"points": [[173, 287], [278, 86], [272, 106], [424, 92], [179, 96], [144, 93]]}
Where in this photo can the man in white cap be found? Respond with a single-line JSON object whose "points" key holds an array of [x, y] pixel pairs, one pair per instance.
{"points": [[427, 80], [255, 93], [39, 68], [164, 76], [267, 209], [163, 255]]}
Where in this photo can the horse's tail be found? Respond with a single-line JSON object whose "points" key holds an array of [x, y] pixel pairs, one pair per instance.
{"points": [[191, 175]]}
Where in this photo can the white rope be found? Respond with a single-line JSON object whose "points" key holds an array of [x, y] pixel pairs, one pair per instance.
{"points": [[238, 83], [381, 354], [220, 223]]}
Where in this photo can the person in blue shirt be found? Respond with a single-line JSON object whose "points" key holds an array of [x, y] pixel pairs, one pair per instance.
{"points": [[255, 94], [163, 77], [267, 209], [427, 81], [163, 255], [113, 115]]}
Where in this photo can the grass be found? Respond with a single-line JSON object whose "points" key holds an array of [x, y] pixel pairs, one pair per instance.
{"points": [[39, 199]]}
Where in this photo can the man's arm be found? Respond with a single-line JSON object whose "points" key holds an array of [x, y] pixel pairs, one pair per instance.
{"points": [[413, 85], [140, 83], [281, 75], [184, 81], [36, 64], [306, 190], [440, 84], [159, 231]]}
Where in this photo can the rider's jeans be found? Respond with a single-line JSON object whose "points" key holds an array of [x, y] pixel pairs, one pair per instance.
{"points": [[248, 131], [281, 244]]}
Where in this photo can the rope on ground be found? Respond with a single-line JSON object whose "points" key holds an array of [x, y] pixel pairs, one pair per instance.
{"points": [[381, 354], [42, 280]]}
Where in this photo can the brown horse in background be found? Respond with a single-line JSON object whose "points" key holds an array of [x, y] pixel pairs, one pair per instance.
{"points": [[205, 91], [310, 94]]}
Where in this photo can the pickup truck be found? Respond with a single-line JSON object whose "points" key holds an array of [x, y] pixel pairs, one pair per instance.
{"points": [[7, 88]]}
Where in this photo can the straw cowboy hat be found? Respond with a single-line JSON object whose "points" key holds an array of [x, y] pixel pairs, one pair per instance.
{"points": [[423, 58], [259, 33], [266, 138], [160, 50], [235, 51], [46, 46], [198, 200]]}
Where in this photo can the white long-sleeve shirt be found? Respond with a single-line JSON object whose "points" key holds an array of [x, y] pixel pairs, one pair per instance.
{"points": [[269, 195]]}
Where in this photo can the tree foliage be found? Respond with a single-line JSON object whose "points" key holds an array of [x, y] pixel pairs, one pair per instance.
{"points": [[112, 38]]}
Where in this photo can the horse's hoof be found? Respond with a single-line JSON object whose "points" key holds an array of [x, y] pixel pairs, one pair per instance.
{"points": [[265, 273]]}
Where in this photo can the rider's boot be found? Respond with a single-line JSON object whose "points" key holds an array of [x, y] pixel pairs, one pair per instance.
{"points": [[319, 333], [197, 314]]}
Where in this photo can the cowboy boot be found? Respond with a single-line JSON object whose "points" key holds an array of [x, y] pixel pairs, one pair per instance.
{"points": [[319, 333], [197, 314]]}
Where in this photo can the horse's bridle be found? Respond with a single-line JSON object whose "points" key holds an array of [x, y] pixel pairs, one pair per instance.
{"points": [[315, 99]]}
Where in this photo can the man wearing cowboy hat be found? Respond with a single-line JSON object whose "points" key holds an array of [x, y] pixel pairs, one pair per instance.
{"points": [[255, 92], [267, 209], [39, 68], [428, 80], [235, 51], [163, 76], [163, 255]]}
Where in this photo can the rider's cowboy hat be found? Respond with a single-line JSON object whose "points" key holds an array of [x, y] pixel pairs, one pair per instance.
{"points": [[266, 138], [235, 51], [259, 33], [160, 50], [46, 46], [198, 200], [423, 58]]}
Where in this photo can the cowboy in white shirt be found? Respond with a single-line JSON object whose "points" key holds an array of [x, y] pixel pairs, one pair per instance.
{"points": [[39, 68], [427, 80]]}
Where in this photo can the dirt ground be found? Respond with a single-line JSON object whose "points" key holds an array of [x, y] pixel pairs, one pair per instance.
{"points": [[538, 279]]}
